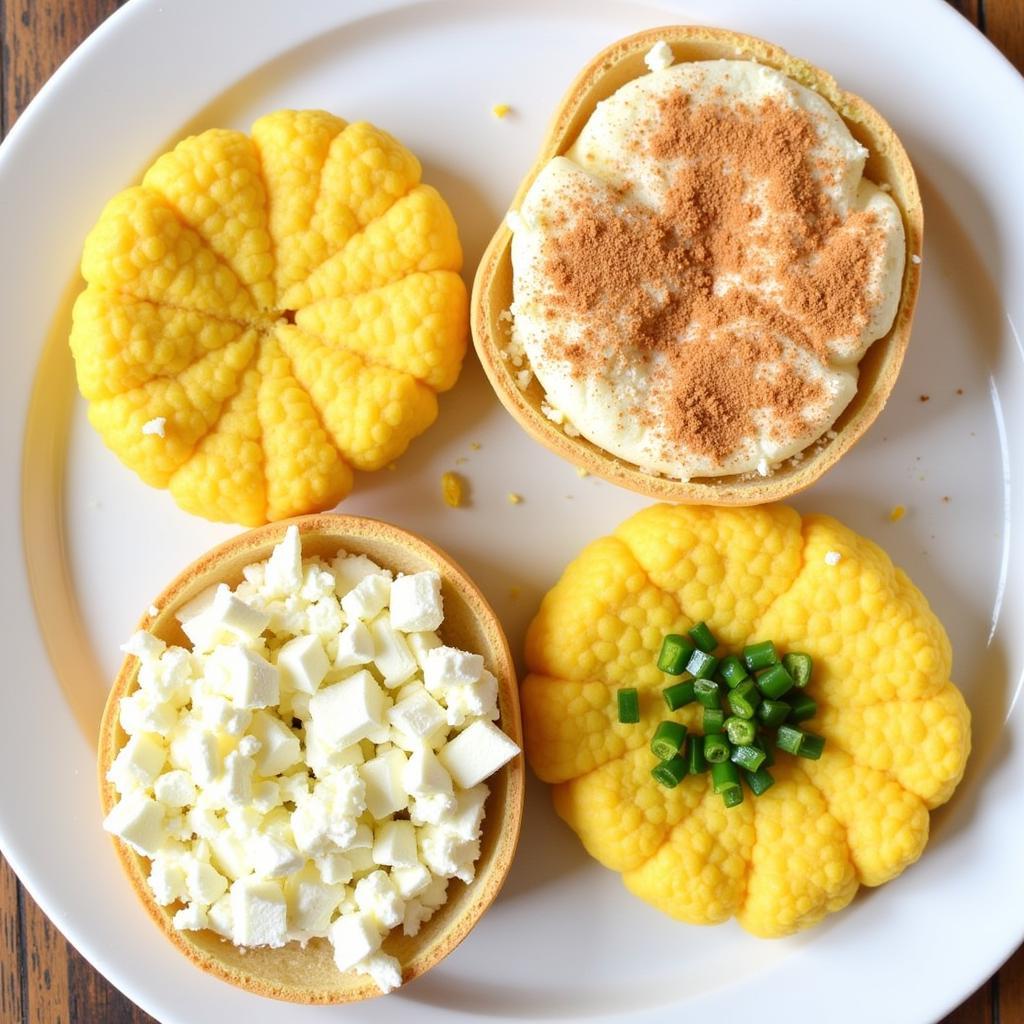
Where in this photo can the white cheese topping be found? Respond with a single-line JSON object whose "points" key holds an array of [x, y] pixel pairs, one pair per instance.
{"points": [[313, 766]]}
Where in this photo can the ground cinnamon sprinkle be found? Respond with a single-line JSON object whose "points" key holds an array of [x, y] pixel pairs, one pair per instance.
{"points": [[747, 205]]}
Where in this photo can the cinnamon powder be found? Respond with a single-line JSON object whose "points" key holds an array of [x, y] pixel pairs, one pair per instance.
{"points": [[747, 205]]}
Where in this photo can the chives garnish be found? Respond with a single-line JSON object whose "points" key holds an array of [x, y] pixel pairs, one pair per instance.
{"points": [[724, 775], [702, 665], [713, 721], [716, 749], [629, 705], [750, 758], [799, 666], [772, 713], [760, 655], [744, 699], [740, 730], [732, 670], [733, 796], [759, 781], [802, 707], [678, 694], [775, 681], [668, 740], [703, 637], [695, 759], [789, 739], [675, 653], [670, 773], [811, 746], [707, 693]]}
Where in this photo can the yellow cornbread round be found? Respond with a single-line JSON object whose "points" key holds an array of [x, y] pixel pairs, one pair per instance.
{"points": [[287, 303], [897, 729]]}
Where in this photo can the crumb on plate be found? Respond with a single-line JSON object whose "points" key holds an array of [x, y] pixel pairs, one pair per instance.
{"points": [[453, 489]]}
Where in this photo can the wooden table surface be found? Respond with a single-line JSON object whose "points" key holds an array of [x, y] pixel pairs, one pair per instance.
{"points": [[43, 980]]}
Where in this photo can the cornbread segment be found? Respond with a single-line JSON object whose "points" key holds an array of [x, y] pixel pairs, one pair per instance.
{"points": [[141, 247], [120, 343], [213, 181], [897, 731], [699, 874], [303, 468], [371, 412], [191, 403], [293, 147], [417, 325], [224, 478]]}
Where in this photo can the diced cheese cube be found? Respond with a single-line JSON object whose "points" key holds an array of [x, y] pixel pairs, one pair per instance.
{"points": [[391, 653], [395, 844], [412, 880], [279, 746], [446, 854], [310, 825], [259, 912], [294, 705], [142, 712], [266, 795], [376, 895], [144, 646], [167, 880], [425, 776], [248, 746], [138, 762], [472, 700], [202, 754], [236, 783], [204, 883], [446, 666], [363, 839], [367, 599], [384, 969], [385, 793], [273, 859], [252, 682], [311, 903], [220, 917], [416, 915], [317, 581], [417, 715], [230, 853], [430, 810], [138, 820], [355, 646], [436, 894], [344, 791], [421, 644], [416, 602], [243, 820], [204, 822], [168, 678], [199, 604], [480, 750], [325, 758], [302, 664], [284, 567], [324, 618], [190, 919], [361, 859], [234, 617], [294, 787], [221, 715], [465, 819], [350, 570], [348, 711], [334, 868], [354, 937], [175, 789]]}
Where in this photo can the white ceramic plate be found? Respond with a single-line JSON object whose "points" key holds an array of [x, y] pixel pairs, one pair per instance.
{"points": [[94, 545]]}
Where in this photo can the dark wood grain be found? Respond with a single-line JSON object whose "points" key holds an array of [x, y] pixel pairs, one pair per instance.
{"points": [[43, 980]]}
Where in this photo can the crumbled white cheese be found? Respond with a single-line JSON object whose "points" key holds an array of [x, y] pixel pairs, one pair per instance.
{"points": [[157, 425], [659, 56], [832, 557]]}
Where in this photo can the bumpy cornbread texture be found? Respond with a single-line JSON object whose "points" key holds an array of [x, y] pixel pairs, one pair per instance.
{"points": [[898, 731], [288, 302]]}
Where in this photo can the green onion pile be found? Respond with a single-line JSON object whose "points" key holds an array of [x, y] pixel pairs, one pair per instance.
{"points": [[752, 705]]}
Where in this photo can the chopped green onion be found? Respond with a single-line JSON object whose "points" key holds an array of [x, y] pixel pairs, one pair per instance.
{"points": [[724, 775], [678, 694], [707, 693], [702, 665], [740, 730], [812, 746], [713, 721], [744, 699], [670, 773], [668, 740], [716, 749], [733, 796], [761, 655], [695, 757], [759, 781], [629, 705], [675, 653], [802, 707], [703, 637], [732, 671], [799, 666], [748, 757], [765, 744], [773, 713], [789, 739], [774, 682]]}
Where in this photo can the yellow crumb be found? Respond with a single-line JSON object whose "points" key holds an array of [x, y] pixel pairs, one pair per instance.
{"points": [[475, 445], [896, 513], [581, 472], [452, 489], [514, 499], [500, 110]]}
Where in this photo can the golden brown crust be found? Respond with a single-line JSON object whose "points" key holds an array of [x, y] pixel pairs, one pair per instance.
{"points": [[309, 975], [887, 164]]}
